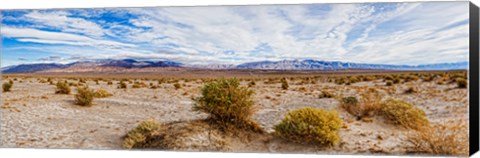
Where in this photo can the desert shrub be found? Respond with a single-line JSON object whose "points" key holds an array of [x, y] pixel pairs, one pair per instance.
{"points": [[325, 94], [428, 78], [440, 139], [227, 104], [370, 103], [84, 96], [368, 106], [139, 85], [284, 83], [10, 81], [409, 78], [354, 79], [401, 113], [109, 82], [122, 85], [7, 86], [350, 104], [251, 83], [311, 126], [388, 77], [389, 83], [177, 85], [461, 83], [101, 93], [139, 134], [62, 88], [411, 89], [396, 80], [369, 78]]}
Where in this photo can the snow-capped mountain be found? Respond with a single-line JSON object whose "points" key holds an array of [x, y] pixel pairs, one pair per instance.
{"points": [[97, 65]]}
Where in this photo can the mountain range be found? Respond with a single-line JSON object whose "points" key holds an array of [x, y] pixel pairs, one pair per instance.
{"points": [[113, 65]]}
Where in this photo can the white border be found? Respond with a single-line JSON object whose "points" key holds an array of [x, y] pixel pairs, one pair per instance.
{"points": [[46, 4]]}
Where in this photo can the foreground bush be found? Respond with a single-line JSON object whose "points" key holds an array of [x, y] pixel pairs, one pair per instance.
{"points": [[140, 133], [101, 93], [62, 88], [227, 104], [404, 114], [311, 126], [84, 96], [442, 140], [7, 86]]}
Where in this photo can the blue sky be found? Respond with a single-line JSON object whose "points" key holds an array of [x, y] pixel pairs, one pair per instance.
{"points": [[382, 33]]}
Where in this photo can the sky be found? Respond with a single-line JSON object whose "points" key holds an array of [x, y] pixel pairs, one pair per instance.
{"points": [[377, 33]]}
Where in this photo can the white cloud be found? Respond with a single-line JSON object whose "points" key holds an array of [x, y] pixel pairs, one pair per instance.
{"points": [[389, 33], [38, 36], [61, 20]]}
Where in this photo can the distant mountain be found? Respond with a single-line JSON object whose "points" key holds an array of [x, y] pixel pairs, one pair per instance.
{"points": [[27, 68], [90, 65], [336, 65], [124, 64]]}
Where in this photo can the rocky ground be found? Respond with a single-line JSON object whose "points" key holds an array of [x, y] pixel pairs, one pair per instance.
{"points": [[33, 116]]}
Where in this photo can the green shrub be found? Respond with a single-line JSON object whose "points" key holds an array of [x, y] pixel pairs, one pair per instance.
{"points": [[84, 96], [62, 88], [7, 86], [389, 83], [311, 126], [101, 93], [404, 114], [140, 133], [284, 83], [461, 83], [227, 104]]}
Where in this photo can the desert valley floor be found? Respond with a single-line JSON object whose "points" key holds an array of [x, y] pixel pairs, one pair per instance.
{"points": [[33, 116]]}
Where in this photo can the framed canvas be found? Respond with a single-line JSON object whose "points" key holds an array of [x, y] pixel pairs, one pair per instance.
{"points": [[347, 78]]}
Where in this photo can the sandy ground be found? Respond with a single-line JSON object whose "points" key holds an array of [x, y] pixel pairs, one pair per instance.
{"points": [[32, 116]]}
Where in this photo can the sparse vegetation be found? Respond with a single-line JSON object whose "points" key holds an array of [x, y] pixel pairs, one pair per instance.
{"points": [[122, 85], [101, 93], [411, 89], [368, 106], [228, 104], [284, 83], [177, 85], [311, 126], [139, 134], [401, 113], [7, 86], [440, 139], [62, 88], [461, 83], [325, 94], [251, 83], [389, 83], [84, 96]]}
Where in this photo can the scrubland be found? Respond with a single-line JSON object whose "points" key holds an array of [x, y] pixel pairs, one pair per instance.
{"points": [[350, 113]]}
